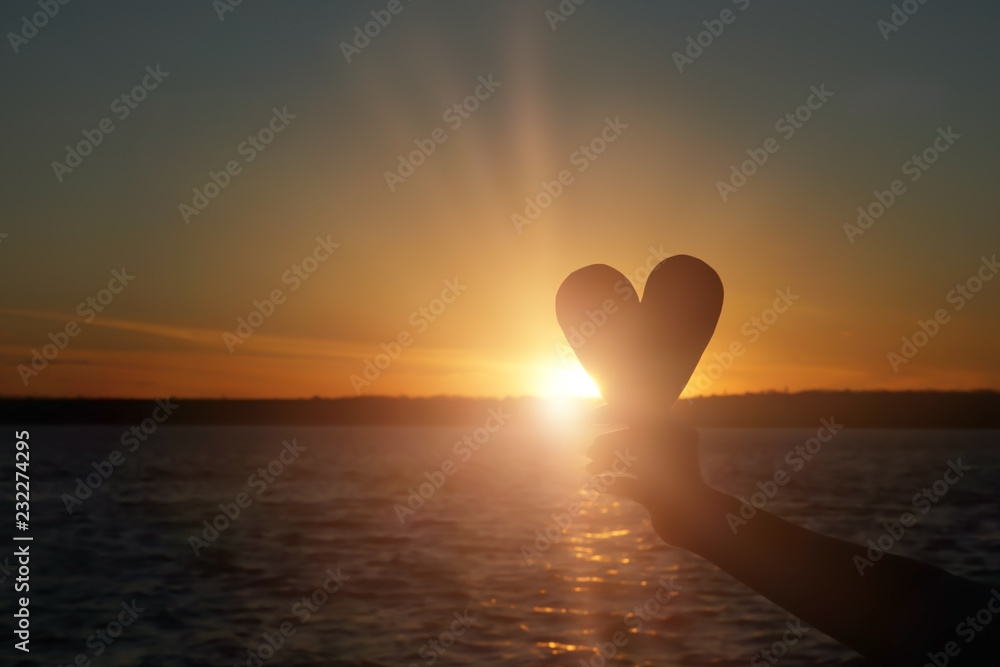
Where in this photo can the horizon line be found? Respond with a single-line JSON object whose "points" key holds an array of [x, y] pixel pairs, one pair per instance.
{"points": [[494, 398]]}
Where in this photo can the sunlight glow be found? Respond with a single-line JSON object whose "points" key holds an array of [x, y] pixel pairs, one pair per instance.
{"points": [[569, 394], [567, 380]]}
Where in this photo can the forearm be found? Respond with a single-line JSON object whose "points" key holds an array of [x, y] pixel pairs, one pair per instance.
{"points": [[893, 611], [882, 612]]}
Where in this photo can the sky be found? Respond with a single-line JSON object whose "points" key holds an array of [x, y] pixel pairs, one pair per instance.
{"points": [[181, 164]]}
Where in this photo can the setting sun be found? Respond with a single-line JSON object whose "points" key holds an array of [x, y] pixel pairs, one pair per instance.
{"points": [[567, 380]]}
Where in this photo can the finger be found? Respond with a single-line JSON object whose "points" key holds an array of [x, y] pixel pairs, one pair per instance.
{"points": [[671, 429], [633, 451], [624, 462], [598, 411], [605, 414], [674, 434], [602, 468], [628, 488], [607, 446], [620, 455], [609, 441]]}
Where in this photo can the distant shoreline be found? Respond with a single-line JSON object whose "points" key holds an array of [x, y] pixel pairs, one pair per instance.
{"points": [[855, 409]]}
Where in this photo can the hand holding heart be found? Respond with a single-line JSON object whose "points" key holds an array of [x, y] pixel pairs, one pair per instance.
{"points": [[641, 355]]}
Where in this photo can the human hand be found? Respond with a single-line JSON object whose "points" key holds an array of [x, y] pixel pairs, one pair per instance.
{"points": [[665, 477]]}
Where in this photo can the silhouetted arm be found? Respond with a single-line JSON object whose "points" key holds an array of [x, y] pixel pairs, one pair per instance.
{"points": [[894, 614]]}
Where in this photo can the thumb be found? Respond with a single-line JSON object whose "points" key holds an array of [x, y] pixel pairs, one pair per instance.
{"points": [[606, 414], [628, 487]]}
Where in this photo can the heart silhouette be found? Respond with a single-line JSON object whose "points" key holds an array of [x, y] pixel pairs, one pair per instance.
{"points": [[641, 355]]}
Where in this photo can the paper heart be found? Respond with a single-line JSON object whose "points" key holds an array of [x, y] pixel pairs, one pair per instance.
{"points": [[641, 355]]}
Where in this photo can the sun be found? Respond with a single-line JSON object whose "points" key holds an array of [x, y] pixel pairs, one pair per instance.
{"points": [[566, 380], [568, 393]]}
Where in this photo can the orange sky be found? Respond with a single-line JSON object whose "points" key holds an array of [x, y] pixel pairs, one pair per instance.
{"points": [[357, 255]]}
